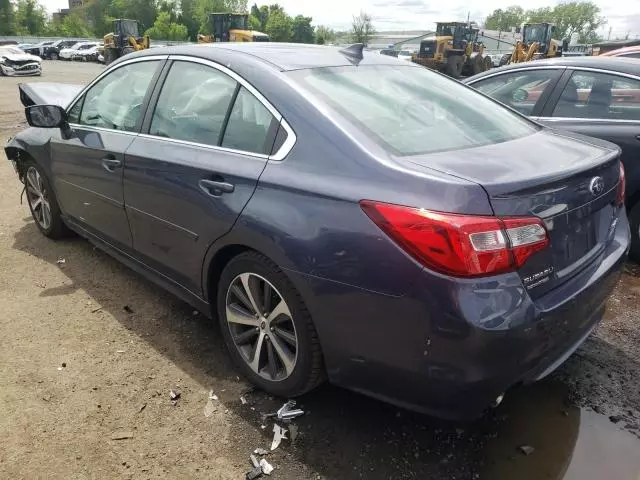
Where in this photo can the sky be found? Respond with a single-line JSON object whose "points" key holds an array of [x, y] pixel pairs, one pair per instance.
{"points": [[623, 15]]}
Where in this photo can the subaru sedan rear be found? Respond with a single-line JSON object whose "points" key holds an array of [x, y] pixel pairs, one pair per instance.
{"points": [[348, 216]]}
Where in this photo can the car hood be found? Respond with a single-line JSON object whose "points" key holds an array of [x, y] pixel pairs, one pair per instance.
{"points": [[20, 57], [48, 93]]}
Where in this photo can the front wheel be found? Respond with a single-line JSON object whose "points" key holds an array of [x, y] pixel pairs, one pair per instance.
{"points": [[267, 328], [454, 66], [43, 203], [488, 63], [53, 56]]}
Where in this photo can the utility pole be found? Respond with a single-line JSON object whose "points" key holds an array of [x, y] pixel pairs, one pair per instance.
{"points": [[609, 36]]}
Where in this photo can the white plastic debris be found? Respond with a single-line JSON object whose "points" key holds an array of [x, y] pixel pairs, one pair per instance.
{"points": [[61, 261], [210, 407], [279, 433], [261, 451], [267, 468], [243, 400], [254, 461], [288, 411]]}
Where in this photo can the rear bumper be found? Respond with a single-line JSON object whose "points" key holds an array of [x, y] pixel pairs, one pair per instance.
{"points": [[451, 347]]}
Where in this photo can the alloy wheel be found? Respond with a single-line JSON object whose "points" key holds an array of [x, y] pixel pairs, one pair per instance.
{"points": [[261, 326], [38, 198]]}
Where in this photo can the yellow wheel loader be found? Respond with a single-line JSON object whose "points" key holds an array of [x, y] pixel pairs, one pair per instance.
{"points": [[124, 39], [537, 42], [231, 27], [454, 50]]}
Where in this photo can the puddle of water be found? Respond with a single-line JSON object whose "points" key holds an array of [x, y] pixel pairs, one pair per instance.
{"points": [[569, 443]]}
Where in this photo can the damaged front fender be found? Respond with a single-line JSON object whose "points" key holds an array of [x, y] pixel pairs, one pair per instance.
{"points": [[29, 145]]}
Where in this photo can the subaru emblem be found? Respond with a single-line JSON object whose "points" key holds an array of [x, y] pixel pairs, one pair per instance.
{"points": [[596, 186]]}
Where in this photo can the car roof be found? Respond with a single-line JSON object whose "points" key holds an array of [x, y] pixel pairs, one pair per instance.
{"points": [[282, 56], [615, 64]]}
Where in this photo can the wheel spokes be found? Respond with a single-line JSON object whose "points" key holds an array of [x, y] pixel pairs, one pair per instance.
{"points": [[249, 289], [246, 336], [285, 356], [272, 365], [256, 353], [281, 309], [288, 337], [236, 315]]}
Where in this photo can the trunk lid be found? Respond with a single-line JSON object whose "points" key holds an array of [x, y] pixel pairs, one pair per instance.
{"points": [[567, 180]]}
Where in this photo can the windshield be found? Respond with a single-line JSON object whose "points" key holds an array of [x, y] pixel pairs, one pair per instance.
{"points": [[410, 110], [535, 34], [10, 51], [404, 53], [86, 46]]}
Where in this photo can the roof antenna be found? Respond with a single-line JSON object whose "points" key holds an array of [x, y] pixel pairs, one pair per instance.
{"points": [[353, 53]]}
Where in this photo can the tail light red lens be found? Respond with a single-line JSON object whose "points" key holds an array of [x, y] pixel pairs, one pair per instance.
{"points": [[460, 245], [622, 186]]}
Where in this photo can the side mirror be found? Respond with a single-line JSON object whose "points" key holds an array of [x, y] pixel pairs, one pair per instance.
{"points": [[46, 116]]}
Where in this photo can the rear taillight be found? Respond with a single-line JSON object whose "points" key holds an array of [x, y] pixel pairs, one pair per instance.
{"points": [[622, 186], [460, 245]]}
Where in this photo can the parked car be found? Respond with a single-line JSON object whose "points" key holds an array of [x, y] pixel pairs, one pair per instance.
{"points": [[626, 52], [38, 48], [595, 96], [342, 215], [76, 49], [24, 46], [52, 52], [389, 52], [404, 55], [14, 62], [88, 54]]}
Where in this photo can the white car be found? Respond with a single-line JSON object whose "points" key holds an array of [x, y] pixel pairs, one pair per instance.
{"points": [[69, 53], [405, 55], [88, 54], [15, 62]]}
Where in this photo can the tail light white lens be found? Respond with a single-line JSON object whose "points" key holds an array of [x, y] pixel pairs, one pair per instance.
{"points": [[622, 186], [460, 245]]}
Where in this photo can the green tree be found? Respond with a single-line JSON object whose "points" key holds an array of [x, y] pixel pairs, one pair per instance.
{"points": [[164, 29], [30, 18], [581, 18], [511, 17], [362, 28], [325, 35], [189, 18], [144, 11], [262, 15], [97, 15], [254, 23], [302, 31], [7, 15], [279, 25], [74, 25]]}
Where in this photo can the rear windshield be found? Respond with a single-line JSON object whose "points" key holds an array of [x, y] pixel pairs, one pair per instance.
{"points": [[410, 110]]}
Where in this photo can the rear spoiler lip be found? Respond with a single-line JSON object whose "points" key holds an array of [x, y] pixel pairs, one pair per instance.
{"points": [[41, 93]]}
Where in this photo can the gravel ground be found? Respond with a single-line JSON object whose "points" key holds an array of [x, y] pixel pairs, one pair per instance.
{"points": [[90, 351]]}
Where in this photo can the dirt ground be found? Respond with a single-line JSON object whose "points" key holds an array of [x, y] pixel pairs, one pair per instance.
{"points": [[90, 351]]}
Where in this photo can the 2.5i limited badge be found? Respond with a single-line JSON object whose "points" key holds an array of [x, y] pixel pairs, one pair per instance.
{"points": [[536, 279]]}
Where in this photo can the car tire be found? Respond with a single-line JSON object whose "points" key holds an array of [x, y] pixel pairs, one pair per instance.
{"points": [[634, 223], [291, 329], [477, 64], [53, 56], [488, 64], [37, 186]]}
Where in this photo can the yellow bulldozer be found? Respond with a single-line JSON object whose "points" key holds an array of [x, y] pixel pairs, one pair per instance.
{"points": [[231, 27], [123, 39], [454, 50], [537, 42]]}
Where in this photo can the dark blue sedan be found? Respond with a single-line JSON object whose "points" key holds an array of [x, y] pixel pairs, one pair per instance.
{"points": [[344, 216]]}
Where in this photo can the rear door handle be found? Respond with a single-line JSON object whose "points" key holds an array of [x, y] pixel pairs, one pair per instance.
{"points": [[215, 189], [110, 163]]}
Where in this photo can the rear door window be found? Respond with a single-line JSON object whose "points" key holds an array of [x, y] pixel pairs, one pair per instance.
{"points": [[251, 125], [522, 90], [599, 96], [193, 103]]}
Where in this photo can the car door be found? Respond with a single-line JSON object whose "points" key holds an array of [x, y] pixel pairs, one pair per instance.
{"points": [[525, 90], [87, 164], [604, 105], [188, 177]]}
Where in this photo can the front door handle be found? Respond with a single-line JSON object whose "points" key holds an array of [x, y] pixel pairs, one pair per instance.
{"points": [[215, 189], [110, 163]]}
